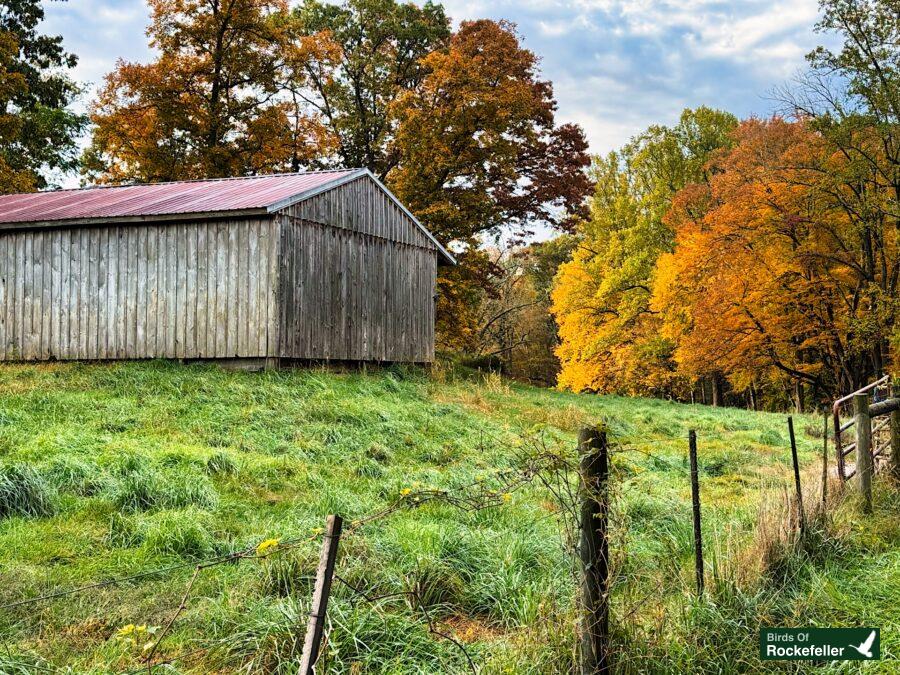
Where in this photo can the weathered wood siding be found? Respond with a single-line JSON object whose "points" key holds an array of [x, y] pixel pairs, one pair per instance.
{"points": [[191, 290], [358, 280]]}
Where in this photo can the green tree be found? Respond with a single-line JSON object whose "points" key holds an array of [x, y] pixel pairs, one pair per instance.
{"points": [[38, 130], [382, 44]]}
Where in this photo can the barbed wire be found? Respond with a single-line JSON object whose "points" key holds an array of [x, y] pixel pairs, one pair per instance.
{"points": [[535, 461]]}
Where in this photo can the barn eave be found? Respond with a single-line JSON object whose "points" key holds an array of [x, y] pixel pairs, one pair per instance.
{"points": [[130, 220]]}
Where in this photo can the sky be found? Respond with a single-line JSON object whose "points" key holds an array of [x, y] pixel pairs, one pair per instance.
{"points": [[617, 65]]}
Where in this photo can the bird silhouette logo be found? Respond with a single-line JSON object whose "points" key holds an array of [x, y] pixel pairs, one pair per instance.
{"points": [[866, 647]]}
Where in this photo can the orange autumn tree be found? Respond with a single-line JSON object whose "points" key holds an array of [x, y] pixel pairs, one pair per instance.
{"points": [[767, 282], [478, 152], [216, 102]]}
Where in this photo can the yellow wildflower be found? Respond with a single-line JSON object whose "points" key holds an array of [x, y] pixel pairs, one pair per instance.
{"points": [[405, 491], [267, 547]]}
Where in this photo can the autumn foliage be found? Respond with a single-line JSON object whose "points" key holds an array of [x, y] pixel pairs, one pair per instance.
{"points": [[773, 280], [459, 125]]}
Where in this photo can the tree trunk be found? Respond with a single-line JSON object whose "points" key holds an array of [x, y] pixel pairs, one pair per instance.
{"points": [[798, 397]]}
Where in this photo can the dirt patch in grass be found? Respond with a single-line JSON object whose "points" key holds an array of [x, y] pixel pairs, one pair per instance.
{"points": [[470, 630]]}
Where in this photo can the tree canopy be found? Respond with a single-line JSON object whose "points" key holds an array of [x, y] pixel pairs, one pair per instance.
{"points": [[38, 130]]}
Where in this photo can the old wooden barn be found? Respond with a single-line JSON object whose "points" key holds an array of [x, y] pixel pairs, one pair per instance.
{"points": [[262, 270]]}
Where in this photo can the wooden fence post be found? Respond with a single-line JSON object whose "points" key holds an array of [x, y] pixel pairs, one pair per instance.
{"points": [[797, 486], [825, 463], [324, 575], [895, 440], [864, 467], [695, 499], [594, 551]]}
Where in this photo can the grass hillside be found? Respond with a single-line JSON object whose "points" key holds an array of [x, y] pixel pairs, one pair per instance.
{"points": [[111, 471]]}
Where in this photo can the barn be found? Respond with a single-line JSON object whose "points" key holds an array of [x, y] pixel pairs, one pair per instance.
{"points": [[258, 271]]}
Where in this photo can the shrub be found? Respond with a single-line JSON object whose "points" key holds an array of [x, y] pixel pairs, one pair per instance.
{"points": [[23, 492]]}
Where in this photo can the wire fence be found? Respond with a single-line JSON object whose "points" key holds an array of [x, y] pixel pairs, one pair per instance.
{"points": [[551, 464]]}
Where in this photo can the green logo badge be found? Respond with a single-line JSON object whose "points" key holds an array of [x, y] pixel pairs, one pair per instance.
{"points": [[819, 644]]}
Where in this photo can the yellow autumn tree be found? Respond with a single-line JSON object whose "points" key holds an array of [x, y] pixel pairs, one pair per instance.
{"points": [[609, 335]]}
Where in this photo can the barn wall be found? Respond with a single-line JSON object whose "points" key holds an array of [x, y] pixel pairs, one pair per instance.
{"points": [[197, 290], [358, 281]]}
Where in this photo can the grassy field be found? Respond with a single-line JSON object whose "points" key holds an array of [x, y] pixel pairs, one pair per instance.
{"points": [[110, 471]]}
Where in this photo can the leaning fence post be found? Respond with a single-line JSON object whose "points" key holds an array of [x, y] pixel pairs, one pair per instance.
{"points": [[594, 551], [864, 448], [797, 475], [324, 575], [695, 500]]}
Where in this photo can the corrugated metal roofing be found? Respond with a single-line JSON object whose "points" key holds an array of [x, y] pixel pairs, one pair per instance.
{"points": [[164, 199]]}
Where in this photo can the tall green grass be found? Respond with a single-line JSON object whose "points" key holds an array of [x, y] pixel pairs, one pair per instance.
{"points": [[111, 470]]}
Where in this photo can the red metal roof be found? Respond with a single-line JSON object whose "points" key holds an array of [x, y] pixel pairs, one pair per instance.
{"points": [[163, 199]]}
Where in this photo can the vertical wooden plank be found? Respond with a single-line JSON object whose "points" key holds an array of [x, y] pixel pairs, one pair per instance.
{"points": [[253, 288], [190, 282], [20, 295], [122, 292], [288, 298], [102, 284], [6, 273], [171, 291], [211, 283], [202, 293], [151, 291], [274, 335], [62, 297], [112, 292], [241, 289], [46, 292], [221, 289], [93, 304], [27, 320], [265, 281], [234, 257], [182, 298], [140, 292]]}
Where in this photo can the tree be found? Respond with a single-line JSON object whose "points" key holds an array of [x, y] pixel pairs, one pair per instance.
{"points": [[380, 46], [213, 104], [515, 331], [38, 130], [478, 151], [610, 338], [850, 97]]}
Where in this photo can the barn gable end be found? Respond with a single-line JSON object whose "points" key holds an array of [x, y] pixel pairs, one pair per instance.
{"points": [[358, 278]]}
